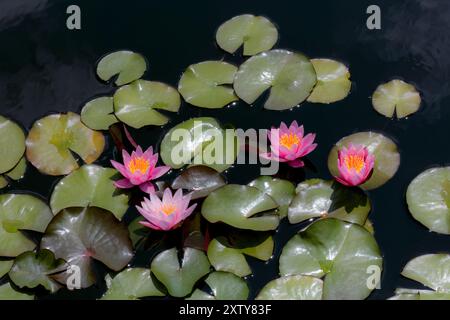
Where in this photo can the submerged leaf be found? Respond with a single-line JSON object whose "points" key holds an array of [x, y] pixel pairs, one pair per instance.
{"points": [[224, 286], [200, 180], [12, 144], [292, 288], [128, 65], [98, 114]]}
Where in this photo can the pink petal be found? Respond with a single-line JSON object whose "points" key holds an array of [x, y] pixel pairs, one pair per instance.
{"points": [[188, 211], [125, 157], [159, 171], [167, 196], [147, 187], [123, 184], [120, 167], [150, 225], [297, 163], [139, 152], [283, 127]]}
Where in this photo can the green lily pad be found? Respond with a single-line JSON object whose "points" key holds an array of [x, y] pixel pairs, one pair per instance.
{"points": [[320, 198], [340, 252], [128, 65], [90, 185], [136, 104], [20, 212], [200, 180], [33, 269], [180, 277], [79, 235], [387, 157], [199, 141], [53, 139], [368, 225], [137, 231], [5, 266], [12, 144], [207, 84], [333, 81], [432, 270], [292, 288], [290, 76], [131, 284], [16, 173], [242, 207], [428, 198], [414, 294], [282, 191], [224, 286], [255, 33], [98, 114], [7, 292], [396, 97]]}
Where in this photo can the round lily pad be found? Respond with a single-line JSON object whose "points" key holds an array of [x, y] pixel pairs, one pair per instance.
{"points": [[320, 198], [333, 81], [5, 266], [12, 144], [340, 252], [7, 292], [432, 270], [290, 76], [428, 198], [207, 84], [200, 141], [54, 139], [255, 33], [396, 97], [180, 277], [79, 235], [242, 207], [292, 288], [136, 104], [128, 65], [98, 114], [90, 185], [131, 284], [20, 212], [16, 173], [224, 286], [387, 157]]}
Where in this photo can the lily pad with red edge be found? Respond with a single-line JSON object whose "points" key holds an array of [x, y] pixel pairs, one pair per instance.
{"points": [[54, 140], [81, 235], [223, 286], [90, 185], [7, 292], [242, 207], [32, 269], [12, 144], [387, 156], [21, 212], [98, 114], [337, 251], [180, 276], [200, 180], [128, 65], [292, 288]]}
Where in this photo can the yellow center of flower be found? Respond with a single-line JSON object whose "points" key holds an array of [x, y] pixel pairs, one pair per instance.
{"points": [[138, 164], [168, 208], [354, 162], [288, 140]]}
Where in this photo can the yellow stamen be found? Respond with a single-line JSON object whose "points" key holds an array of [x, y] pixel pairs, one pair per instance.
{"points": [[168, 209], [288, 140], [354, 162], [138, 164]]}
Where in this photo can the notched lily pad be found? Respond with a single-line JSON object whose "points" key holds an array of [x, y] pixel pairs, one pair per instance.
{"points": [[224, 286], [432, 270], [54, 139], [292, 288], [98, 114], [289, 76], [208, 84], [12, 144], [128, 65]]}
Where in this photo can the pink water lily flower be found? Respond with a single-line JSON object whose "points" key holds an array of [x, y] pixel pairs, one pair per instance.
{"points": [[289, 144], [355, 165], [138, 169], [166, 213]]}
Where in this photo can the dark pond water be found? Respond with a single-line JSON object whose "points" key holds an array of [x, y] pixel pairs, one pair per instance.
{"points": [[46, 68]]}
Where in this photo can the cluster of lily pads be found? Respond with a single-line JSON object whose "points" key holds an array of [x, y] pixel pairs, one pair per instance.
{"points": [[202, 250]]}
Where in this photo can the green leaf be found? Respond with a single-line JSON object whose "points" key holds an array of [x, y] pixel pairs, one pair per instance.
{"points": [[224, 286], [5, 266], [413, 294], [292, 288], [9, 293], [16, 173], [432, 270], [98, 114], [128, 65], [12, 144]]}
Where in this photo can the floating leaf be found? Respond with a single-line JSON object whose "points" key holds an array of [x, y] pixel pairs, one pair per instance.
{"points": [[428, 198], [333, 81], [199, 141], [320, 198], [292, 288], [20, 212], [282, 191], [137, 231], [397, 97], [79, 235], [136, 104], [290, 77], [131, 284], [256, 33], [128, 65], [432, 270], [242, 207], [339, 251], [53, 139], [5, 266], [224, 286], [200, 180], [12, 144], [413, 294], [32, 269], [16, 173], [9, 293], [180, 278], [90, 185], [205, 84], [98, 114], [387, 157]]}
